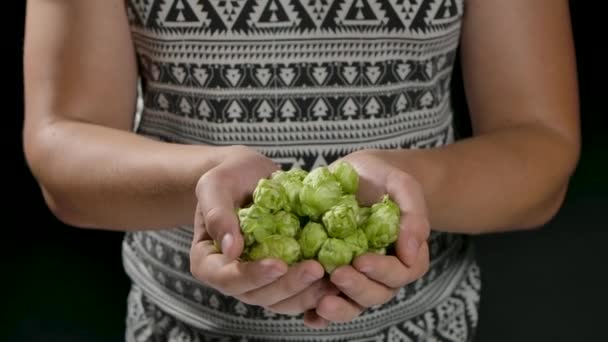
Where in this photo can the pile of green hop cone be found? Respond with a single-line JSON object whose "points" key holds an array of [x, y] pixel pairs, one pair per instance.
{"points": [[297, 215]]}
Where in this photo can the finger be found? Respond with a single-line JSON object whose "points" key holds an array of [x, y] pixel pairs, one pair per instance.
{"points": [[216, 207], [414, 225], [230, 276], [359, 288], [413, 235], [338, 309], [314, 321], [305, 300], [390, 271], [422, 264], [385, 269], [297, 279]]}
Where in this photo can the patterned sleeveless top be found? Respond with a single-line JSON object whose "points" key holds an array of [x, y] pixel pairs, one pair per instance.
{"points": [[304, 82]]}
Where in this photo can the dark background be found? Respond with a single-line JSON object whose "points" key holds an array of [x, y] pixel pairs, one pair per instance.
{"points": [[66, 284]]}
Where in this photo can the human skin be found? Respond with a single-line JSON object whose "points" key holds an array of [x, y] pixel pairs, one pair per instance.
{"points": [[94, 172]]}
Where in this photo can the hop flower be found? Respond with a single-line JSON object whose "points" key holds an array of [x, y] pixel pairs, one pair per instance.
{"points": [[287, 224], [347, 176], [277, 246], [334, 253], [364, 213], [291, 181], [312, 237], [341, 220], [257, 223], [270, 195], [319, 193], [357, 242], [382, 226]]}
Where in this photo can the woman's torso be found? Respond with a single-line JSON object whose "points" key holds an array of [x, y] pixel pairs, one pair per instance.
{"points": [[303, 82]]}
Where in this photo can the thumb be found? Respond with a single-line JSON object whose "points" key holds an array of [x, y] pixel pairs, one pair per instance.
{"points": [[218, 218]]}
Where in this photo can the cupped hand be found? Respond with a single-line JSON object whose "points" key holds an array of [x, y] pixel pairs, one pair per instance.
{"points": [[269, 283], [374, 279]]}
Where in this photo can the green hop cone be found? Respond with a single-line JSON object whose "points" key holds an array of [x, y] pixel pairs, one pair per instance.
{"points": [[249, 238], [357, 242], [341, 220], [319, 175], [277, 246], [256, 223], [349, 200], [364, 213], [347, 176], [312, 237], [270, 195], [293, 174], [334, 253], [317, 200], [382, 226], [320, 192], [291, 181], [287, 224]]}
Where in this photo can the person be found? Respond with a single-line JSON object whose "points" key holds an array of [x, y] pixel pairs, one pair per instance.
{"points": [[231, 91]]}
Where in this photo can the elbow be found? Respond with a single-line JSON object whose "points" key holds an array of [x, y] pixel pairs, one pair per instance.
{"points": [[60, 209], [568, 150], [547, 211], [40, 151], [61, 205]]}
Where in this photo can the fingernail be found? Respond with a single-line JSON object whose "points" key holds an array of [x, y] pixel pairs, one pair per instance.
{"points": [[412, 247], [226, 242]]}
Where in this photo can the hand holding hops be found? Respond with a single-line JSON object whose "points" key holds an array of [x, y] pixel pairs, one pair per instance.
{"points": [[297, 215]]}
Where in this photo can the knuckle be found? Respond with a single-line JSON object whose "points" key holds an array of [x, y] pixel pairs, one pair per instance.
{"points": [[213, 218], [204, 181], [419, 226], [410, 182], [224, 177], [218, 175], [403, 179]]}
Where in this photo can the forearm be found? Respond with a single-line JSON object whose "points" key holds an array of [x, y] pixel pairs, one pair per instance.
{"points": [[504, 180], [98, 177]]}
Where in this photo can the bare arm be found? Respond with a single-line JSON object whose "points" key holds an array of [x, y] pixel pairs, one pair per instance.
{"points": [[80, 92], [520, 81]]}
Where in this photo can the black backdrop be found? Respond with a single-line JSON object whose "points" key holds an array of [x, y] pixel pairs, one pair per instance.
{"points": [[66, 284]]}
